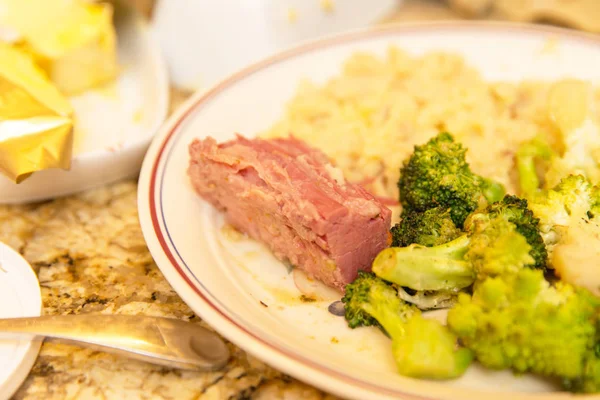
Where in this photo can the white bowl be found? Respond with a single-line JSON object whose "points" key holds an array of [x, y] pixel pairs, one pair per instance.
{"points": [[114, 125]]}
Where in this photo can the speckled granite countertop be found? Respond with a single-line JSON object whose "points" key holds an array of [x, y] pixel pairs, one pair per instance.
{"points": [[90, 256]]}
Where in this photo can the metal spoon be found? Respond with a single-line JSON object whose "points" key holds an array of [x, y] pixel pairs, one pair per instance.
{"points": [[164, 341]]}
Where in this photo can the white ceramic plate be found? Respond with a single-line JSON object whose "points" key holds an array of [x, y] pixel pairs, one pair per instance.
{"points": [[114, 125], [19, 297], [240, 289]]}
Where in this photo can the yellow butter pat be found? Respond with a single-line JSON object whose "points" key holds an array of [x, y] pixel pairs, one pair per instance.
{"points": [[36, 129], [74, 41]]}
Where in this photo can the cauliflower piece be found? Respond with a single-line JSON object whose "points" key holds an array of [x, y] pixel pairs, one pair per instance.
{"points": [[576, 258], [572, 108]]}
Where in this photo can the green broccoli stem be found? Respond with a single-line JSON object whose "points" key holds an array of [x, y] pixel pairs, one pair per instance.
{"points": [[526, 157], [391, 319], [589, 381], [529, 182], [421, 348], [441, 267], [492, 191]]}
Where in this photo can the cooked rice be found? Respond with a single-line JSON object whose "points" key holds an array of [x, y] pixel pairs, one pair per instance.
{"points": [[369, 118]]}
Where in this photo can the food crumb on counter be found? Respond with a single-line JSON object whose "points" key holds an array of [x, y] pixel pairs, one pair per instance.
{"points": [[334, 340], [264, 304]]}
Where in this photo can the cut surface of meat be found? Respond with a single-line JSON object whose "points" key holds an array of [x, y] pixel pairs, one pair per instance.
{"points": [[289, 196]]}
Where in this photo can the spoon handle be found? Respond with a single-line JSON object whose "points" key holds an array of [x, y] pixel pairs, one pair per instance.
{"points": [[164, 341]]}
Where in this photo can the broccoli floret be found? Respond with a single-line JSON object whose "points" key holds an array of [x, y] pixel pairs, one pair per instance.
{"points": [[572, 199], [427, 349], [356, 295], [488, 251], [438, 175], [519, 321], [589, 381], [487, 245], [516, 211], [430, 228], [498, 248], [422, 348]]}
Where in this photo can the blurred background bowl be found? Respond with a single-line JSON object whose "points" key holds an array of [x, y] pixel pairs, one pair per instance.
{"points": [[204, 41]]}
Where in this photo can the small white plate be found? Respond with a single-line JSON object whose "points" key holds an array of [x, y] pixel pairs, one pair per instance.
{"points": [[19, 297], [114, 125], [239, 288]]}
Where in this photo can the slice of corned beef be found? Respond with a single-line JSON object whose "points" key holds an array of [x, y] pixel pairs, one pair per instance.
{"points": [[289, 196]]}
